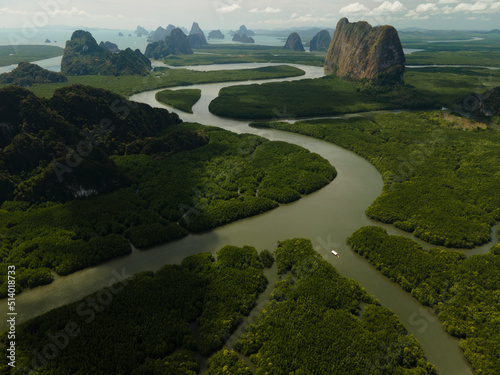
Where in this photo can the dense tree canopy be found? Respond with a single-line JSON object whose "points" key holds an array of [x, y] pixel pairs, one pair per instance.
{"points": [[464, 292], [314, 324], [440, 171]]}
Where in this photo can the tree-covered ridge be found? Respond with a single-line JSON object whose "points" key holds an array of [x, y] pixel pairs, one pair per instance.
{"points": [[167, 192], [155, 319], [27, 74], [314, 325], [59, 148], [464, 292], [83, 56], [441, 180]]}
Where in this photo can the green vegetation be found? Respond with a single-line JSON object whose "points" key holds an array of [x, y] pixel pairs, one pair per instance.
{"points": [[227, 361], [227, 54], [27, 74], [83, 56], [63, 210], [440, 171], [15, 54], [314, 97], [154, 317], [459, 48], [180, 99], [464, 292], [163, 77], [479, 58], [446, 86], [313, 324]]}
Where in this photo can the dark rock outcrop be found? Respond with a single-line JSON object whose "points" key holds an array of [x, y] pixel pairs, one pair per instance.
{"points": [[120, 34], [111, 47], [321, 41], [195, 41], [160, 33], [196, 30], [47, 41], [359, 51], [484, 106], [141, 31], [176, 43], [215, 34], [243, 38], [294, 43], [27, 74], [82, 56]]}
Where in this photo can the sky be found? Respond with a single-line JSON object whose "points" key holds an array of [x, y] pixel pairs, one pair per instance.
{"points": [[255, 14]]}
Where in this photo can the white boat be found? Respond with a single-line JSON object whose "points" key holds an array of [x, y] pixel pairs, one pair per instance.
{"points": [[335, 253]]}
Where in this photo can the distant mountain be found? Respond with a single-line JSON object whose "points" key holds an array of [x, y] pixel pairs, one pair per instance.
{"points": [[196, 36], [27, 74], [242, 31], [243, 38], [160, 33], [82, 56], [494, 31], [294, 43], [176, 43], [321, 41], [215, 34], [141, 31]]}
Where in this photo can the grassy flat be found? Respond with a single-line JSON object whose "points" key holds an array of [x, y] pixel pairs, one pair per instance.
{"points": [[180, 99], [15, 54], [163, 78]]}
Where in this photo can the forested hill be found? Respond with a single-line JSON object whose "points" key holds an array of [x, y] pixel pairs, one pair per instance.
{"points": [[56, 149], [83, 56], [27, 74]]}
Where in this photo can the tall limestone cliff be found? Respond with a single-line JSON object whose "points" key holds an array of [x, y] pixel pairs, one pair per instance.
{"points": [[175, 44], [360, 51], [294, 43], [321, 41], [196, 36]]}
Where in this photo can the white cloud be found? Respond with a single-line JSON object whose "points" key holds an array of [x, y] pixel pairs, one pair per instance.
{"points": [[467, 7], [495, 6], [388, 7], [13, 12], [265, 10], [228, 8], [426, 8], [447, 1], [354, 8]]}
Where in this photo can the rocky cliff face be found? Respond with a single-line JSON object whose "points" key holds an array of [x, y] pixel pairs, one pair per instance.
{"points": [[360, 51], [111, 47], [321, 41], [176, 43], [294, 43], [82, 56], [196, 30]]}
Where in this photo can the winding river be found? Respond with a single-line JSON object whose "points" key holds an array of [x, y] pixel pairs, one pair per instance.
{"points": [[327, 217]]}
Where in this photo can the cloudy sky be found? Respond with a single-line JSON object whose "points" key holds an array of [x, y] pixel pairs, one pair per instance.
{"points": [[257, 14]]}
